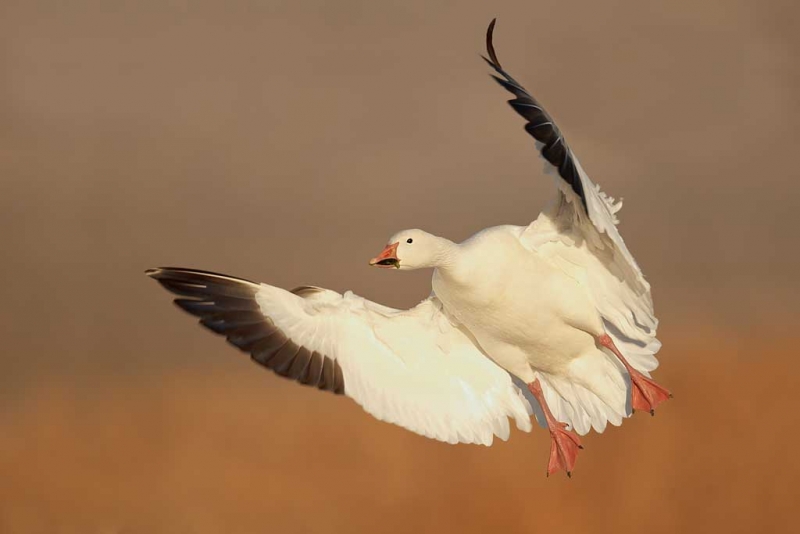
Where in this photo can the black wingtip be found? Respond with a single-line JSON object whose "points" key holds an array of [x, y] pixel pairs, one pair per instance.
{"points": [[185, 274], [489, 45]]}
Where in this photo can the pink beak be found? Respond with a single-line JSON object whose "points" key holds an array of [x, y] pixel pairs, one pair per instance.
{"points": [[387, 258]]}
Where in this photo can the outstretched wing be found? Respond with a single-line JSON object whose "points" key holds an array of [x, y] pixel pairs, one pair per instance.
{"points": [[413, 368], [578, 233]]}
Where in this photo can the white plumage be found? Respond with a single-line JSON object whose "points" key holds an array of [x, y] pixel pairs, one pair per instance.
{"points": [[413, 368]]}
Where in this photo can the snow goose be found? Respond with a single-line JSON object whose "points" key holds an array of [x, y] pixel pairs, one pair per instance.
{"points": [[559, 304]]}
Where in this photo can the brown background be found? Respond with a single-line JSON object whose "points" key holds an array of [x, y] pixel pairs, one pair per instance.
{"points": [[285, 141]]}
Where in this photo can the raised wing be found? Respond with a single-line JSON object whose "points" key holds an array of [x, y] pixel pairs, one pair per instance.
{"points": [[413, 368], [573, 183], [541, 126], [578, 233]]}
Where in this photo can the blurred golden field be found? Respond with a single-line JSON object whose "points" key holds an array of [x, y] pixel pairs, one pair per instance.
{"points": [[284, 142], [241, 451]]}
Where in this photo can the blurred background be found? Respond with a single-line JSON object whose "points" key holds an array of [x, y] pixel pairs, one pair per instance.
{"points": [[284, 141]]}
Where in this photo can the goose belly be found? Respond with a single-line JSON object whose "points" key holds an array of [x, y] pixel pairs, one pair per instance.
{"points": [[524, 313]]}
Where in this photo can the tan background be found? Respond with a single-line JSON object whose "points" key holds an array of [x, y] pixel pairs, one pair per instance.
{"points": [[285, 141]]}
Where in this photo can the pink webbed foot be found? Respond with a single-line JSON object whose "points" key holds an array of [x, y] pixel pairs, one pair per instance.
{"points": [[564, 444], [645, 393]]}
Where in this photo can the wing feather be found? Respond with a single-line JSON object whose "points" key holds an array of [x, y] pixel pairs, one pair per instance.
{"points": [[573, 183], [414, 368], [540, 125]]}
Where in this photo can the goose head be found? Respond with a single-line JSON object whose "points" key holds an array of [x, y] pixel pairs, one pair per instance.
{"points": [[412, 249]]}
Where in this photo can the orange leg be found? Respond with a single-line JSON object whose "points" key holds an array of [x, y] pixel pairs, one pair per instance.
{"points": [[646, 394], [564, 444]]}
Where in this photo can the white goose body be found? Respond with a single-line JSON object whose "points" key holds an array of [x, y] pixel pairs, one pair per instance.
{"points": [[560, 305], [525, 312]]}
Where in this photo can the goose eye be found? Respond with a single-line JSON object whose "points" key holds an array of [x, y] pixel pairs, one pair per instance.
{"points": [[409, 240]]}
